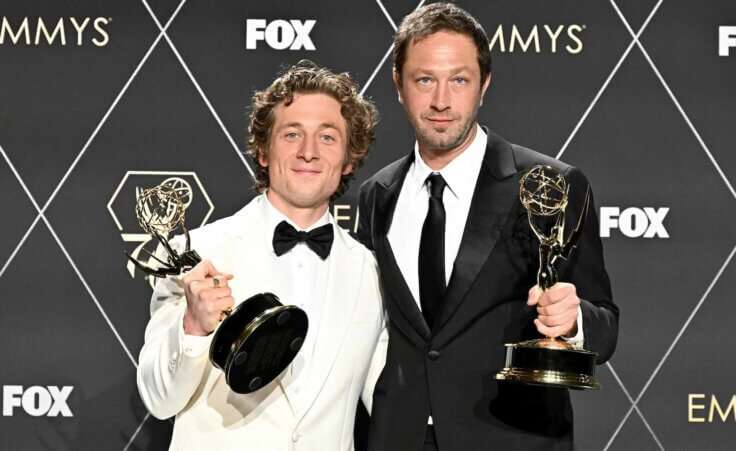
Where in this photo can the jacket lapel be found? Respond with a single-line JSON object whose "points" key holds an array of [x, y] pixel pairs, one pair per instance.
{"points": [[385, 204], [252, 274], [341, 297], [493, 199], [246, 240]]}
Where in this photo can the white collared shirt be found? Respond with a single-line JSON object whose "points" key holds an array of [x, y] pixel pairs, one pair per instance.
{"points": [[302, 281], [405, 232]]}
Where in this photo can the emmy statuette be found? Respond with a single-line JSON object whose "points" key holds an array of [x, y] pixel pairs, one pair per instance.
{"points": [[543, 192], [257, 339]]}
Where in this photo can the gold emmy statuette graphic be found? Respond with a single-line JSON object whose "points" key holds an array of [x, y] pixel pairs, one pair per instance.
{"points": [[257, 339], [543, 192]]}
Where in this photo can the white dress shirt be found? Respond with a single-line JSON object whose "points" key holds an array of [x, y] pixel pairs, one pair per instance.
{"points": [[405, 232], [302, 281]]}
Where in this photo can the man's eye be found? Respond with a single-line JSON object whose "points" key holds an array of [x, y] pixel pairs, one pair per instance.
{"points": [[328, 138], [291, 135], [461, 80], [424, 80]]}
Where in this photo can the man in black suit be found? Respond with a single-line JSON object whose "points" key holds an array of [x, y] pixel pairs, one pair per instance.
{"points": [[458, 261]]}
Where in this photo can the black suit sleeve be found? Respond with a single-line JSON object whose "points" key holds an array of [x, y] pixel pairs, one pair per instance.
{"points": [[586, 270], [365, 215]]}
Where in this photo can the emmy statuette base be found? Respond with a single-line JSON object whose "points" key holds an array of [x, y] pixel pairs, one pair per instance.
{"points": [[549, 363], [257, 341]]}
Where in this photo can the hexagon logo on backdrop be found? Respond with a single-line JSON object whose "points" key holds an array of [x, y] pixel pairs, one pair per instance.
{"points": [[197, 207]]}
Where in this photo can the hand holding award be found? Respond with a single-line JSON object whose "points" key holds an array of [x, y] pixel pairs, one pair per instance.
{"points": [[543, 192], [253, 342]]}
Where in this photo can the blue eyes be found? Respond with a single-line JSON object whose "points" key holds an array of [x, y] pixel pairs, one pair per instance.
{"points": [[294, 135], [426, 80]]}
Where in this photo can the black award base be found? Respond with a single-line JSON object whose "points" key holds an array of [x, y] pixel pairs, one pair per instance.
{"points": [[257, 341]]}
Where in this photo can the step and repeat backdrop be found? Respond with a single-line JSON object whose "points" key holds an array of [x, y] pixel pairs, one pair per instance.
{"points": [[101, 99]]}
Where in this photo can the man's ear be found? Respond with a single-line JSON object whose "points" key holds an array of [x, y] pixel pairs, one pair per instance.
{"points": [[397, 83], [485, 87], [347, 169], [262, 157]]}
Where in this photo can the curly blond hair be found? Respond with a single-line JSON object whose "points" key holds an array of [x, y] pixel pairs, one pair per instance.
{"points": [[306, 77]]}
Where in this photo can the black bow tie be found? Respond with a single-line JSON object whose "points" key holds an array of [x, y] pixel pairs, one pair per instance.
{"points": [[319, 240]]}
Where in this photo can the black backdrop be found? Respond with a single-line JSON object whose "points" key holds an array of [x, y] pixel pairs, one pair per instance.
{"points": [[634, 92]]}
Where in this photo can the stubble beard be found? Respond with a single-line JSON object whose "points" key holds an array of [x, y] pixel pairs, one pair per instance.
{"points": [[442, 140]]}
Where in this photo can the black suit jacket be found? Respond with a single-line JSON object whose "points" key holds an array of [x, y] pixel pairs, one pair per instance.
{"points": [[485, 307]]}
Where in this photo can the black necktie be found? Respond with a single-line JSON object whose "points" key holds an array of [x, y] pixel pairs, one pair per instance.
{"points": [[432, 252], [319, 240]]}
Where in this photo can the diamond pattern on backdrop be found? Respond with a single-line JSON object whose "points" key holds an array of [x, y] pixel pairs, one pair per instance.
{"points": [[682, 43], [588, 124], [144, 133], [699, 357], [18, 214], [54, 309], [228, 73], [67, 90], [721, 224]]}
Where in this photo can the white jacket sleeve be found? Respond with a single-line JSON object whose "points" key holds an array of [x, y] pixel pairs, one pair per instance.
{"points": [[378, 361], [169, 371]]}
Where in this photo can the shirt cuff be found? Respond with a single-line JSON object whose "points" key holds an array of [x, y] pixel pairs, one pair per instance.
{"points": [[579, 338], [193, 345]]}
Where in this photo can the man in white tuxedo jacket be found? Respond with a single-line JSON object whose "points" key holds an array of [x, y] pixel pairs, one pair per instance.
{"points": [[308, 132]]}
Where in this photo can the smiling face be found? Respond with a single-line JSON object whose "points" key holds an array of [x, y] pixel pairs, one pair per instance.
{"points": [[306, 153], [441, 90]]}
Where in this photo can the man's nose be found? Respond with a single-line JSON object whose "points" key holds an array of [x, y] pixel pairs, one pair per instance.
{"points": [[308, 150], [441, 97]]}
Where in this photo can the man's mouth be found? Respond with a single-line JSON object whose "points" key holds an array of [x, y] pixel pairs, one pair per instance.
{"points": [[306, 171], [440, 120]]}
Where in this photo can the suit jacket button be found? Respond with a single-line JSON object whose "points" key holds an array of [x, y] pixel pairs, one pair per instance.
{"points": [[433, 354]]}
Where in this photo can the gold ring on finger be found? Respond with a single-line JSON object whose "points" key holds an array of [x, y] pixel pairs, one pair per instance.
{"points": [[224, 314]]}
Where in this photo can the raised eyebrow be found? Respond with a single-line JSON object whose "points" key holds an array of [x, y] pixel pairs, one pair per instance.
{"points": [[291, 124], [454, 71], [326, 125], [300, 125], [461, 69]]}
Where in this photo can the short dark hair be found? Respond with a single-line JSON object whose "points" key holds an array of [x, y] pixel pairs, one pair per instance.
{"points": [[436, 17], [306, 77]]}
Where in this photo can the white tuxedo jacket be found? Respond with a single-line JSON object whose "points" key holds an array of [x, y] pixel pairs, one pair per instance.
{"points": [[346, 359]]}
